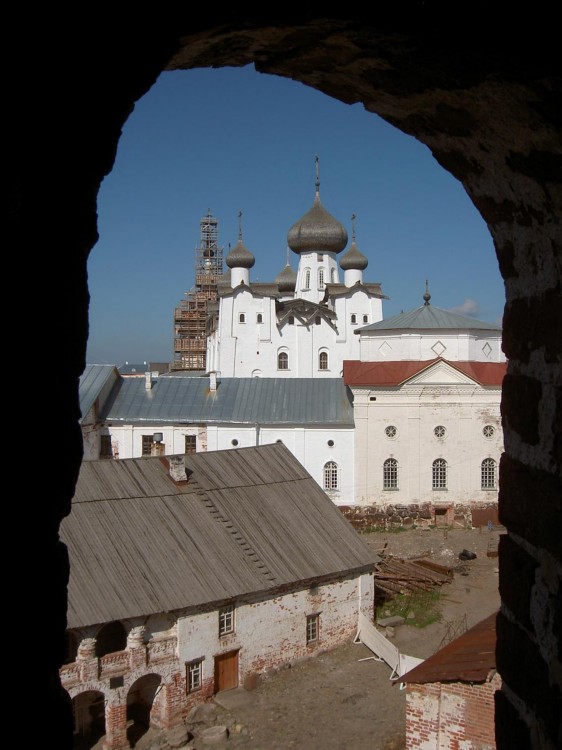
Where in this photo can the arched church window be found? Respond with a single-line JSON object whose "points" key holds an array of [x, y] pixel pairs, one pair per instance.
{"points": [[331, 476], [307, 278], [323, 360], [283, 361]]}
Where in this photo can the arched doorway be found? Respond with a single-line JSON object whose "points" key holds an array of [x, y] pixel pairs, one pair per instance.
{"points": [[140, 700], [88, 713]]}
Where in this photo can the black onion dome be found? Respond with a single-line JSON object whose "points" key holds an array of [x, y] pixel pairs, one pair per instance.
{"points": [[240, 257], [287, 279], [317, 231], [354, 259]]}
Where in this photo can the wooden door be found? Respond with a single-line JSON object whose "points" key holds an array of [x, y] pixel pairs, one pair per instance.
{"points": [[226, 671]]}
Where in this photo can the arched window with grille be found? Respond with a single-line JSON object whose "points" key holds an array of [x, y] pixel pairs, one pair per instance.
{"points": [[307, 278], [390, 474], [439, 474], [331, 476], [283, 360], [488, 474], [323, 360], [320, 278]]}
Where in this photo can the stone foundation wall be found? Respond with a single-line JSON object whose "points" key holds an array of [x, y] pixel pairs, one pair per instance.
{"points": [[414, 515]]}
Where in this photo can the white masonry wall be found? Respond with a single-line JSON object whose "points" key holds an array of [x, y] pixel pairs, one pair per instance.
{"points": [[270, 633], [414, 411], [243, 347]]}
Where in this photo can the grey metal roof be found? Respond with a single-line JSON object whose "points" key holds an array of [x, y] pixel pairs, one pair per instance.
{"points": [[92, 382], [428, 316], [236, 400], [247, 521]]}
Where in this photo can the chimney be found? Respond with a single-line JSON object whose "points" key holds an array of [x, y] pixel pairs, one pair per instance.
{"points": [[177, 468], [213, 382], [148, 380]]}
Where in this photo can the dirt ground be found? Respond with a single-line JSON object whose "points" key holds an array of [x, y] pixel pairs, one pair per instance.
{"points": [[343, 699]]}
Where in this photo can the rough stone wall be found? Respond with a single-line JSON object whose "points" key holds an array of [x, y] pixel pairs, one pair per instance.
{"points": [[484, 95]]}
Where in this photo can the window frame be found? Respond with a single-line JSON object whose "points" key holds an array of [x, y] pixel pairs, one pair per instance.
{"points": [[194, 675], [226, 620], [330, 476], [439, 474], [190, 442], [106, 446], [323, 360], [488, 474], [242, 318], [259, 318], [390, 474], [283, 360], [313, 628], [147, 441]]}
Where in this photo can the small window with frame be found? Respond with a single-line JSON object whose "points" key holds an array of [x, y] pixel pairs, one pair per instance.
{"points": [[226, 620], [194, 675], [312, 628]]}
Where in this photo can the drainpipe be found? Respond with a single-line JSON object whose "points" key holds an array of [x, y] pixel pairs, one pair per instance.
{"points": [[257, 433]]}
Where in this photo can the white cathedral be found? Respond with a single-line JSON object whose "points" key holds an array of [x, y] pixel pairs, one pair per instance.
{"points": [[303, 325], [401, 411]]}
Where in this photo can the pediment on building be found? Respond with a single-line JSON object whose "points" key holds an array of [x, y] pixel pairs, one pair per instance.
{"points": [[440, 373]]}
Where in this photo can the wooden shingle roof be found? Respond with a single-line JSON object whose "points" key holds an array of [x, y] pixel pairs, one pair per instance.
{"points": [[246, 522]]}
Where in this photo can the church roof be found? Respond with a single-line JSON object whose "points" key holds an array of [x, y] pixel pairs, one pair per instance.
{"points": [[353, 259], [392, 373], [317, 230], [287, 279], [240, 256], [178, 399], [429, 317], [248, 521]]}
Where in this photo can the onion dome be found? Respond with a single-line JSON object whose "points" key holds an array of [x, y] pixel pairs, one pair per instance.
{"points": [[354, 258], [287, 279], [317, 231], [240, 256]]}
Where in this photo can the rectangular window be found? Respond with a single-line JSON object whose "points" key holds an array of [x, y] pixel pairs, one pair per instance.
{"points": [[146, 445], [106, 451], [194, 675], [312, 628], [191, 444], [226, 620]]}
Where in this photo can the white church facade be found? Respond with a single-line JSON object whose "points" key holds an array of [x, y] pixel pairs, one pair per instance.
{"points": [[426, 395]]}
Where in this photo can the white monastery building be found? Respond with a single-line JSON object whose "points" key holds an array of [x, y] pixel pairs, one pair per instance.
{"points": [[379, 412], [426, 396], [302, 325]]}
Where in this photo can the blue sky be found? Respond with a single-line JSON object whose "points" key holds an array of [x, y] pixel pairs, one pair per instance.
{"points": [[231, 140]]}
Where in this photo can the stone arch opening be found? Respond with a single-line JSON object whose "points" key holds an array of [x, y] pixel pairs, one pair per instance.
{"points": [[88, 713], [140, 702]]}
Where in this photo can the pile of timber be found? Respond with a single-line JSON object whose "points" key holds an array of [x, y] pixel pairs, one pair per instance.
{"points": [[394, 575]]}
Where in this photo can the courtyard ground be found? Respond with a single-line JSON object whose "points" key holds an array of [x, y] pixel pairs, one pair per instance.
{"points": [[343, 699]]}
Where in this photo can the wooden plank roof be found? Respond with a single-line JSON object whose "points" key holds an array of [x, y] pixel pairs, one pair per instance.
{"points": [[246, 521]]}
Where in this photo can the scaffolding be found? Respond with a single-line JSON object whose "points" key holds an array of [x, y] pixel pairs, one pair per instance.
{"points": [[191, 316]]}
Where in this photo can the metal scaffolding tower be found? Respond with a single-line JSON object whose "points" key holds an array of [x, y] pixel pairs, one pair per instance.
{"points": [[191, 317]]}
